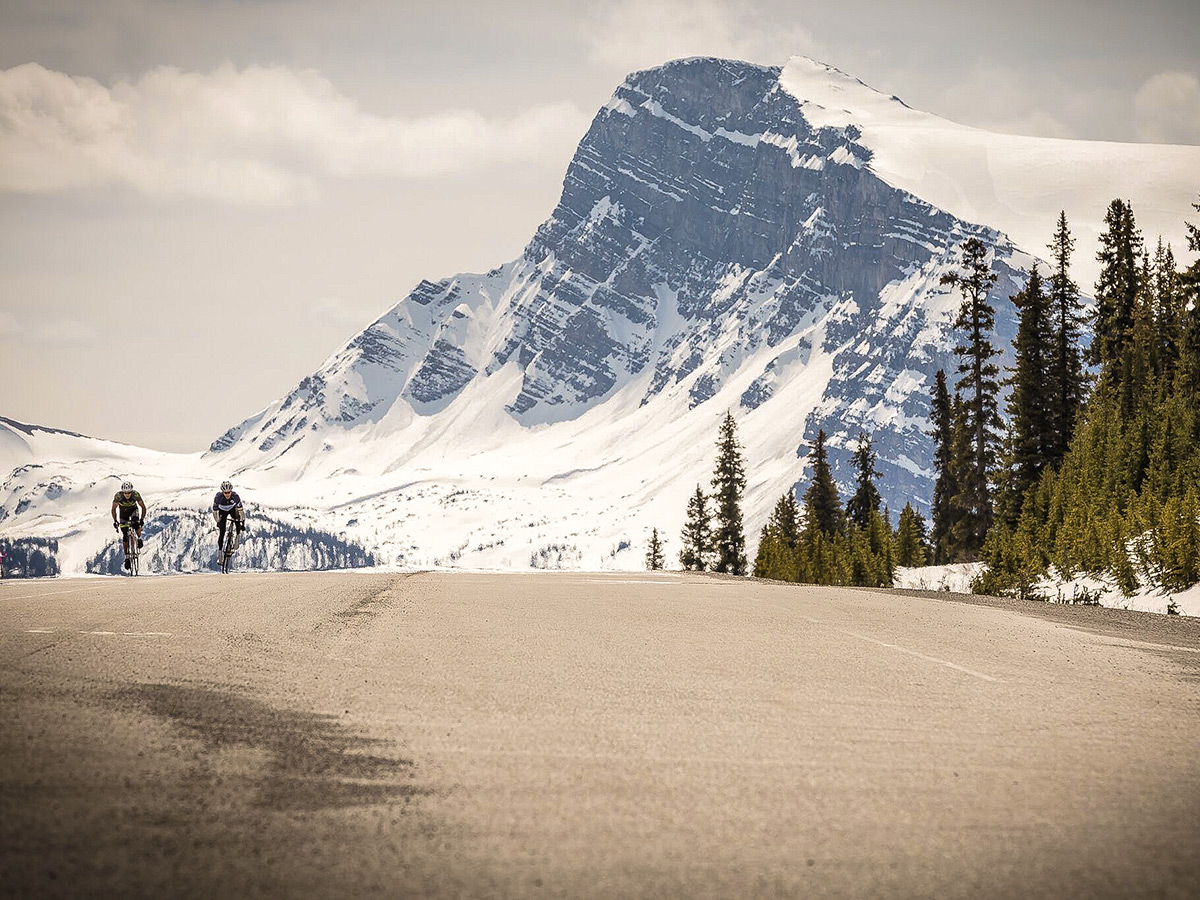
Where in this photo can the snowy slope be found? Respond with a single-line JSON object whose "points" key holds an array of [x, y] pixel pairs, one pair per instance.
{"points": [[1014, 183]]}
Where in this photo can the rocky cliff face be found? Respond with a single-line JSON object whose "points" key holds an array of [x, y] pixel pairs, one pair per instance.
{"points": [[708, 239]]}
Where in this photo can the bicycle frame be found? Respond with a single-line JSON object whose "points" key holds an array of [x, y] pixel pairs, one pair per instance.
{"points": [[129, 541], [229, 544]]}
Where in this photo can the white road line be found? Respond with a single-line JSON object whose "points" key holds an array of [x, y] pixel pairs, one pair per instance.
{"points": [[632, 581], [110, 633], [47, 594], [917, 654]]}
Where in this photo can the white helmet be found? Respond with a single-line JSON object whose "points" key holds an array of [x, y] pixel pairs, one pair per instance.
{"points": [[127, 486], [226, 486]]}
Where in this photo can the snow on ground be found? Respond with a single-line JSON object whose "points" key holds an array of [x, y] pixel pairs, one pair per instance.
{"points": [[1054, 588], [956, 578]]}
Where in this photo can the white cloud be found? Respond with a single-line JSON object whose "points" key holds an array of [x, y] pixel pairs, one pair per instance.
{"points": [[263, 134], [1167, 107], [1001, 99], [635, 34], [337, 312]]}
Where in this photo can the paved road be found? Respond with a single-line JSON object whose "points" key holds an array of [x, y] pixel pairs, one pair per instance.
{"points": [[436, 735]]}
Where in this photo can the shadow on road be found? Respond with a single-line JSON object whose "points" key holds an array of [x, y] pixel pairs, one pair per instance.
{"points": [[313, 762]]}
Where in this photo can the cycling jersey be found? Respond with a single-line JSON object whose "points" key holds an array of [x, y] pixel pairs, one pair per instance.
{"points": [[224, 504], [130, 502]]}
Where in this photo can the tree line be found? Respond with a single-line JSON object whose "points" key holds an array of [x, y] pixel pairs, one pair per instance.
{"points": [[1093, 468], [819, 540]]}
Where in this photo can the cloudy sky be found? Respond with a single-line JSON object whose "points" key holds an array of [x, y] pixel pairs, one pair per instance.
{"points": [[200, 200]]}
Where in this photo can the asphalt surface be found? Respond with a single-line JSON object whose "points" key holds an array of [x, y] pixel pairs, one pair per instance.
{"points": [[569, 735]]}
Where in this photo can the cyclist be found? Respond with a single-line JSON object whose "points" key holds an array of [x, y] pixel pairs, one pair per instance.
{"points": [[227, 503], [127, 500]]}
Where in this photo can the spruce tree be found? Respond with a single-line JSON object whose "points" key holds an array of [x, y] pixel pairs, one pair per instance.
{"points": [[910, 538], [1066, 383], [1165, 287], [778, 542], [977, 319], [822, 506], [1033, 440], [1117, 299], [960, 543], [866, 497], [697, 534], [729, 481], [654, 554], [945, 487], [1188, 376]]}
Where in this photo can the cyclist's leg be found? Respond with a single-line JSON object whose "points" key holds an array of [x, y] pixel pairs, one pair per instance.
{"points": [[222, 519], [126, 518]]}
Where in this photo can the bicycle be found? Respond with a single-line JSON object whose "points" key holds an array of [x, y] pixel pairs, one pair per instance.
{"points": [[129, 540], [230, 544]]}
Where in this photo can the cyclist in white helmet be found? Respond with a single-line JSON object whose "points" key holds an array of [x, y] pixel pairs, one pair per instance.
{"points": [[127, 501], [227, 503]]}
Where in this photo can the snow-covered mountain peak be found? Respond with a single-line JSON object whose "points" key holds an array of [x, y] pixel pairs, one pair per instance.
{"points": [[843, 98]]}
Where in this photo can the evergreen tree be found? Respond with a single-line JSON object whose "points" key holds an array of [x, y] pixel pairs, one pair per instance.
{"points": [[778, 543], [911, 549], [866, 498], [697, 534], [729, 481], [1165, 287], [822, 505], [1117, 300], [654, 554], [1066, 383], [961, 521], [1033, 441], [945, 488], [977, 318], [1188, 377]]}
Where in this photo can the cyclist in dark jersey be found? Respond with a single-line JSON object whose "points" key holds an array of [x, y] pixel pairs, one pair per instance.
{"points": [[227, 503], [126, 501]]}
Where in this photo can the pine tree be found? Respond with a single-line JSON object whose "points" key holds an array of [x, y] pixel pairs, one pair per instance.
{"points": [[945, 488], [778, 542], [866, 497], [910, 538], [1033, 441], [654, 554], [961, 520], [1117, 300], [1188, 377], [977, 318], [697, 534], [822, 505], [729, 481], [1066, 382], [1164, 285]]}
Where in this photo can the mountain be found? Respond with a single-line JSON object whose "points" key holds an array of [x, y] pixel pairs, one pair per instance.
{"points": [[729, 237], [712, 249]]}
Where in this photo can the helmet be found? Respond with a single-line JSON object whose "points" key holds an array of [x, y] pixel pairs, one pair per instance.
{"points": [[226, 486], [127, 486]]}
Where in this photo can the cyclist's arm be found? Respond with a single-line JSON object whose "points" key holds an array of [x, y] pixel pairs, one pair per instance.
{"points": [[114, 510], [142, 504]]}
